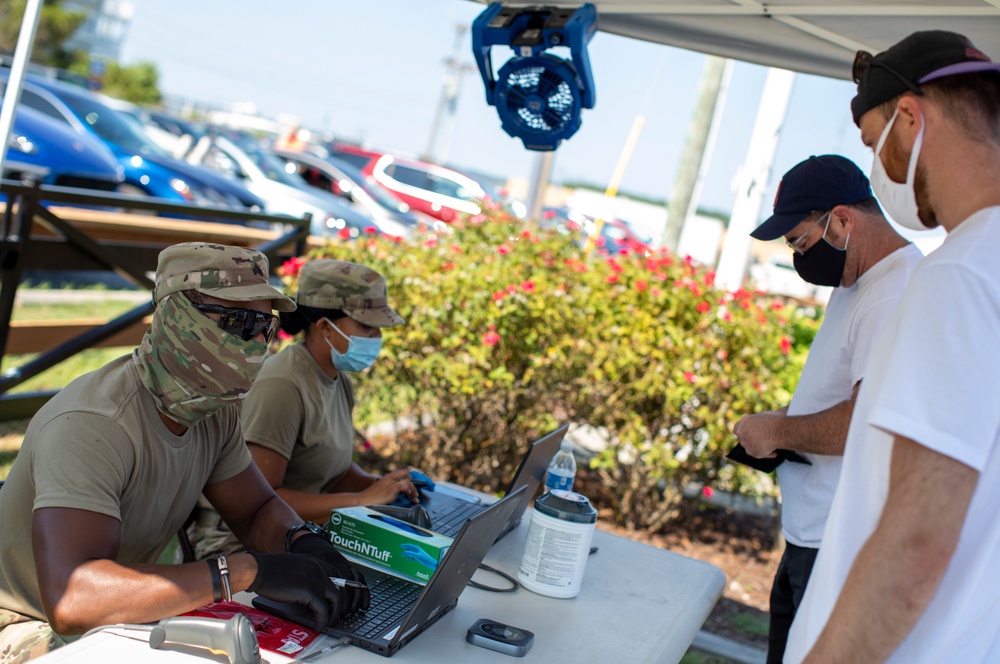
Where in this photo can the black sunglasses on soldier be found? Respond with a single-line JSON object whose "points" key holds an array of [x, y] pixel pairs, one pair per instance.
{"points": [[244, 323]]}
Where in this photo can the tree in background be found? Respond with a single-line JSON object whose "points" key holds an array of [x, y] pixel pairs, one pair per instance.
{"points": [[137, 83], [55, 26]]}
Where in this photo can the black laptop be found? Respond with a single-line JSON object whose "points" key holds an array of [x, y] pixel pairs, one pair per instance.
{"points": [[401, 609], [448, 510]]}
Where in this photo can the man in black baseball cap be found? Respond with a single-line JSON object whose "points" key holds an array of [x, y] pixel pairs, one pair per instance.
{"points": [[825, 210], [910, 550], [942, 67]]}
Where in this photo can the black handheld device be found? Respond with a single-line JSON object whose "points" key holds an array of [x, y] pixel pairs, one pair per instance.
{"points": [[497, 636]]}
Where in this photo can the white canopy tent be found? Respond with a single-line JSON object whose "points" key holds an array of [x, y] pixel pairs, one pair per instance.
{"points": [[809, 36]]}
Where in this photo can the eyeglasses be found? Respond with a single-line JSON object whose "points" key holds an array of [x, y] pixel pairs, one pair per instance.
{"points": [[244, 323], [864, 61], [796, 246]]}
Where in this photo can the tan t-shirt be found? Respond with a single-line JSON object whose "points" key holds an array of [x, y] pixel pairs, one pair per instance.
{"points": [[99, 445], [304, 415]]}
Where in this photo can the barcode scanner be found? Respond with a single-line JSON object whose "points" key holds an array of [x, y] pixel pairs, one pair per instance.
{"points": [[234, 638]]}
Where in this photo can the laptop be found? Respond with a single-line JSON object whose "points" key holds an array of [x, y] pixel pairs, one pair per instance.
{"points": [[401, 609], [448, 510]]}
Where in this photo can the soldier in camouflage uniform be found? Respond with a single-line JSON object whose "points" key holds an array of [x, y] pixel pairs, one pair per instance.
{"points": [[297, 417], [110, 468]]}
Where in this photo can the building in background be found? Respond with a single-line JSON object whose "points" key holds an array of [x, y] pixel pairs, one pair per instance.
{"points": [[105, 29]]}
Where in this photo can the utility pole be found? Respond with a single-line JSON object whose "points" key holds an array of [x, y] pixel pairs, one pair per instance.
{"points": [[701, 134], [444, 114]]}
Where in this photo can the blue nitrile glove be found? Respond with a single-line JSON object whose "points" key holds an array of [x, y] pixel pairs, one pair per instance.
{"points": [[421, 481], [418, 555], [319, 547]]}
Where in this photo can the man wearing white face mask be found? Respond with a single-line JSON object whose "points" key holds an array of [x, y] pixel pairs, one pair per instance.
{"points": [[297, 417], [825, 210], [907, 568]]}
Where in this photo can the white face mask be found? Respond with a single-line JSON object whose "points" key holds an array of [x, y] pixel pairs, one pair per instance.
{"points": [[898, 199]]}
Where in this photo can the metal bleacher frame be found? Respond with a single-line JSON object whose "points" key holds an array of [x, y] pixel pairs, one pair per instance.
{"points": [[58, 228]]}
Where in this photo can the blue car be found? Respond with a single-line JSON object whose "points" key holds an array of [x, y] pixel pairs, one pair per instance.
{"points": [[148, 170], [56, 155]]}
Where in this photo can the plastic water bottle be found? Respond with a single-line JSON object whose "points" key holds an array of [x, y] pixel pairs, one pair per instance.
{"points": [[562, 470]]}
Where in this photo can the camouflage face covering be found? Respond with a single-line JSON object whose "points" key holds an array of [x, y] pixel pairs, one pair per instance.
{"points": [[190, 366]]}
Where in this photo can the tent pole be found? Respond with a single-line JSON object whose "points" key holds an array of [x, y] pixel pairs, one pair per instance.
{"points": [[22, 55], [752, 179]]}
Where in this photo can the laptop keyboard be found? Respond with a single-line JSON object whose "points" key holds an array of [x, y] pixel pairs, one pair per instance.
{"points": [[392, 598], [448, 521]]}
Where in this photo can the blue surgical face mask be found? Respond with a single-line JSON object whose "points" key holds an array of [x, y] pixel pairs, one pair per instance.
{"points": [[361, 351]]}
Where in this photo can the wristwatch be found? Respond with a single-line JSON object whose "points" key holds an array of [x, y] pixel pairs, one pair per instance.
{"points": [[308, 525]]}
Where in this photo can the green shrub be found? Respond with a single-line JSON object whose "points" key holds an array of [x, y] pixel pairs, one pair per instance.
{"points": [[512, 330]]}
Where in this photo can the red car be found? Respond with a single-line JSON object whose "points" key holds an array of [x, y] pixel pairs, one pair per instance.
{"points": [[434, 190]]}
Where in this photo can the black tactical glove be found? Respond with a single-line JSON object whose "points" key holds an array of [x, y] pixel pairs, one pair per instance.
{"points": [[300, 579], [319, 547]]}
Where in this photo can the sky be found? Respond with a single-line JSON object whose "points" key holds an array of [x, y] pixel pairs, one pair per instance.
{"points": [[373, 70]]}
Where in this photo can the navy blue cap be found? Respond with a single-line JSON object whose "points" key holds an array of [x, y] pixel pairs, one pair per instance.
{"points": [[818, 183]]}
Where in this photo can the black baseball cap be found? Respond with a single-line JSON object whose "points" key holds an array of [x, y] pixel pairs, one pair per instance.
{"points": [[818, 183], [917, 59]]}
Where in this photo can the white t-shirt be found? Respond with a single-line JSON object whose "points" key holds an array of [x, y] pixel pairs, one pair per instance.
{"points": [[837, 360], [934, 378]]}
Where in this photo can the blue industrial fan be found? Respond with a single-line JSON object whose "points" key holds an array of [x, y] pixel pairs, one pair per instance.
{"points": [[538, 96]]}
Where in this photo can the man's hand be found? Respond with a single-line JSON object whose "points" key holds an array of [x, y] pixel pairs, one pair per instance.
{"points": [[388, 487], [320, 548], [758, 433], [301, 579]]}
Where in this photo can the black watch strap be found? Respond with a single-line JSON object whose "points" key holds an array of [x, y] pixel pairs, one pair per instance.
{"points": [[308, 525]]}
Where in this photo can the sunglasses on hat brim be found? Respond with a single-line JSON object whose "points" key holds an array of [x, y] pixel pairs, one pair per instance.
{"points": [[863, 63], [244, 323]]}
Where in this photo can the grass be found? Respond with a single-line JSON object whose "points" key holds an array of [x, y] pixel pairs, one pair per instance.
{"points": [[64, 372], [61, 374], [750, 624]]}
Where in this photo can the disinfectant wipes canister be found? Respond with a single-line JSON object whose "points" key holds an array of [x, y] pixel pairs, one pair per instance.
{"points": [[558, 543]]}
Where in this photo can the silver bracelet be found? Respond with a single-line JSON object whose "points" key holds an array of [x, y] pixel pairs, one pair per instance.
{"points": [[227, 589]]}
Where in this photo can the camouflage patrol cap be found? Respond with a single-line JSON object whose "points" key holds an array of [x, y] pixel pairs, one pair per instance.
{"points": [[228, 273], [357, 290]]}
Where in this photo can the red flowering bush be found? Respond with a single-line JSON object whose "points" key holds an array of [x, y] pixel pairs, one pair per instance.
{"points": [[512, 331]]}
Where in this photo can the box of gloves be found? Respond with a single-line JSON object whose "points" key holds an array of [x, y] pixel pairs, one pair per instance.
{"points": [[382, 541]]}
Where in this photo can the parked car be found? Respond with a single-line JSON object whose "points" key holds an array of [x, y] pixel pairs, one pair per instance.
{"points": [[349, 183], [434, 190], [174, 144], [56, 155], [620, 234], [243, 159], [148, 170], [615, 235]]}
